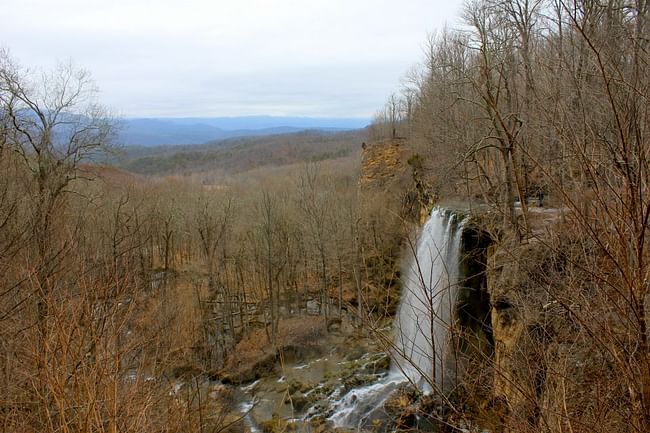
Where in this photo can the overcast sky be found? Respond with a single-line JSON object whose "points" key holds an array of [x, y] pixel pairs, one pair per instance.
{"points": [[166, 58]]}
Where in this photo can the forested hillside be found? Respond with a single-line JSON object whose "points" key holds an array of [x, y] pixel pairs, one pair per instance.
{"points": [[539, 111], [124, 295], [238, 155]]}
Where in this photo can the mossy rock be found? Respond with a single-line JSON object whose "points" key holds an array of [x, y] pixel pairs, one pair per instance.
{"points": [[319, 421], [359, 380], [315, 396], [297, 386], [327, 388], [299, 401]]}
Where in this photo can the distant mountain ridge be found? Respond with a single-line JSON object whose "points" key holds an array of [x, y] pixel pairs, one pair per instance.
{"points": [[198, 130]]}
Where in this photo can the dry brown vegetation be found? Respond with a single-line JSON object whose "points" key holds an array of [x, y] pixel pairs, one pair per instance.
{"points": [[214, 161], [114, 287], [120, 295], [546, 102]]}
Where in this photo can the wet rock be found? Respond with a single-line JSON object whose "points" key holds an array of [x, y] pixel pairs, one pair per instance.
{"points": [[297, 352], [296, 386], [402, 409], [377, 363], [327, 388], [359, 380], [334, 325], [299, 401]]}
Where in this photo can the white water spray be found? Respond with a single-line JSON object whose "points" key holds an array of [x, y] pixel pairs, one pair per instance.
{"points": [[421, 354], [422, 347]]}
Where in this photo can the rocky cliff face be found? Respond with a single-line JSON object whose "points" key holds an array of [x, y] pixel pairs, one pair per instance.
{"points": [[383, 165], [517, 302], [389, 168], [553, 370]]}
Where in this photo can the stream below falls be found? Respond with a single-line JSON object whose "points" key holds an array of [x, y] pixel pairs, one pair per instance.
{"points": [[348, 388]]}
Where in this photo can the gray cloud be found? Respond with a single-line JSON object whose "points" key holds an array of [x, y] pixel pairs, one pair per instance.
{"points": [[207, 57]]}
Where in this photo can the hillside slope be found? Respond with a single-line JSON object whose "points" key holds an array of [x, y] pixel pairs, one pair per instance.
{"points": [[242, 154]]}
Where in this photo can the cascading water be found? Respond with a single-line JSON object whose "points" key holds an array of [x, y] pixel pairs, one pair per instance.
{"points": [[422, 326], [420, 347]]}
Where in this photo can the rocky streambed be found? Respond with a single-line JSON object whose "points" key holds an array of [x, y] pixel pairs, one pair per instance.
{"points": [[307, 394]]}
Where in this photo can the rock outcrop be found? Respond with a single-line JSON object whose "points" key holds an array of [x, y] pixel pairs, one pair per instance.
{"points": [[389, 167], [554, 328], [517, 300]]}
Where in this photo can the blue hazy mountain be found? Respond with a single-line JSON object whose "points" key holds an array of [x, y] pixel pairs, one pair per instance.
{"points": [[197, 130]]}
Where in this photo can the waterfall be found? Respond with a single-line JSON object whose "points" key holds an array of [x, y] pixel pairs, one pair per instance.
{"points": [[421, 344], [421, 352]]}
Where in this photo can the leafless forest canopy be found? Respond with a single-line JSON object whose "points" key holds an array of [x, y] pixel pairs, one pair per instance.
{"points": [[114, 280]]}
